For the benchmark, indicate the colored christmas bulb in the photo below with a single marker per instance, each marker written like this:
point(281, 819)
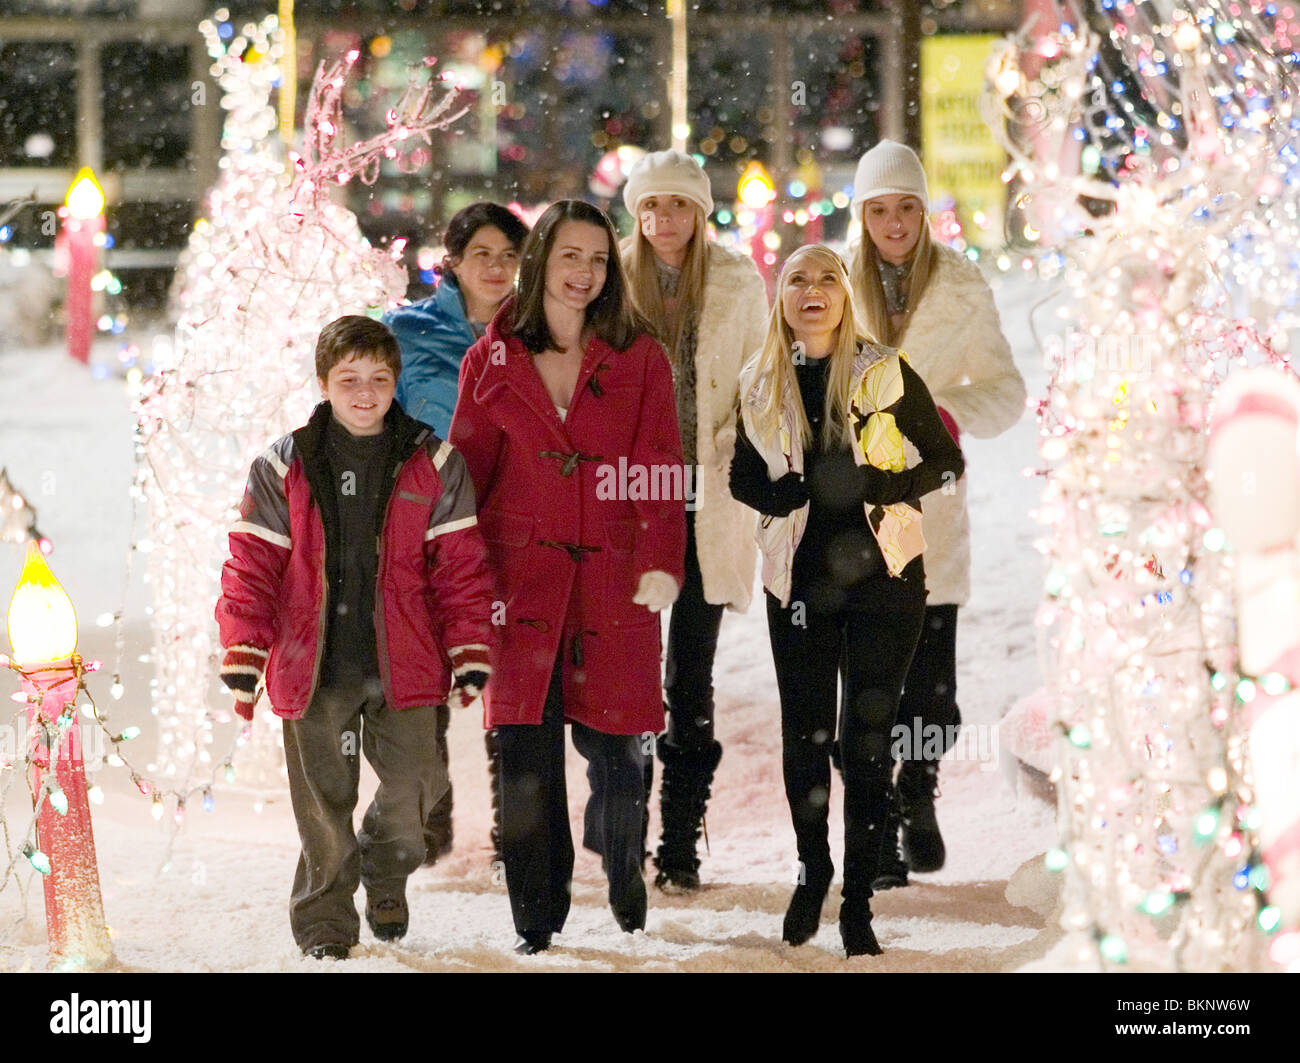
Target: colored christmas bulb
point(1275, 683)
point(1056, 859)
point(36, 858)
point(59, 801)
point(1113, 949)
point(208, 801)
point(1206, 824)
point(1246, 691)
point(157, 809)
point(1259, 878)
point(1269, 918)
point(1157, 903)
point(1080, 736)
point(230, 772)
point(1285, 949)
point(129, 733)
point(96, 795)
point(116, 690)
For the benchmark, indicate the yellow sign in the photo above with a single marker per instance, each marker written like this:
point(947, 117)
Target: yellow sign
point(962, 160)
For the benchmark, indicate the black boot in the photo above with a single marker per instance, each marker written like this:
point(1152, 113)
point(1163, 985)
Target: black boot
point(645, 808)
point(892, 872)
point(855, 929)
point(687, 780)
point(494, 783)
point(437, 824)
point(804, 914)
point(918, 786)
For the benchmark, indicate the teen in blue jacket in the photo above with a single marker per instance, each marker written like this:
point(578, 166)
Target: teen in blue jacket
point(477, 273)
point(476, 276)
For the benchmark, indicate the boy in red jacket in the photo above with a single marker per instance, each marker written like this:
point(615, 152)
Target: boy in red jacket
point(357, 589)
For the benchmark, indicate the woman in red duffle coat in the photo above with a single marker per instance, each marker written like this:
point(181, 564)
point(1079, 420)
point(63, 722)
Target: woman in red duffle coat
point(567, 421)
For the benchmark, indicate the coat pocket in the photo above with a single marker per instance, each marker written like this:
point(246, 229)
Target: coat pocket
point(621, 576)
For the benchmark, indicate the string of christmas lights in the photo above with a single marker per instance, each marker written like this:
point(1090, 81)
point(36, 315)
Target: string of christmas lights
point(1155, 157)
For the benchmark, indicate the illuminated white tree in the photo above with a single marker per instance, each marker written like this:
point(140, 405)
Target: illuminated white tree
point(1176, 126)
point(273, 261)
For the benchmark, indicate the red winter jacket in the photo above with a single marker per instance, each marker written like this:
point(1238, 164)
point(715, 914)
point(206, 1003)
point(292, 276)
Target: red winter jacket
point(433, 593)
point(573, 512)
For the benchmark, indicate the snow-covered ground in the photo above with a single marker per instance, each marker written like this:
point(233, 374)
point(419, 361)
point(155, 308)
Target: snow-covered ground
point(221, 903)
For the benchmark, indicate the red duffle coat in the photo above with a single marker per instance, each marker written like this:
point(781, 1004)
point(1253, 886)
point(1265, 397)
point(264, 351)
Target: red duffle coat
point(573, 512)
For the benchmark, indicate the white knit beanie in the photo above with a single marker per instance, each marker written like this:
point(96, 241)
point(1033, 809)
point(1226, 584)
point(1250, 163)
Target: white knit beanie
point(890, 168)
point(667, 173)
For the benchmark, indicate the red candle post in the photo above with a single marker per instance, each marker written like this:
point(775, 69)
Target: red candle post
point(83, 226)
point(43, 633)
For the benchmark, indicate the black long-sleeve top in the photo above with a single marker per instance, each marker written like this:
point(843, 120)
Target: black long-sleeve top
point(838, 563)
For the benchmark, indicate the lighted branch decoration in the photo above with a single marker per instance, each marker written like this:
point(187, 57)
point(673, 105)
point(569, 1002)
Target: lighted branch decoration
point(273, 261)
point(1157, 158)
point(17, 517)
point(425, 107)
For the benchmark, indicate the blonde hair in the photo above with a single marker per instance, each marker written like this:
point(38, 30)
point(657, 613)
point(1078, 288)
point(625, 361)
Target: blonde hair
point(873, 310)
point(643, 285)
point(776, 360)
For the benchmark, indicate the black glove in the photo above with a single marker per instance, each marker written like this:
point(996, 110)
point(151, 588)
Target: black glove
point(787, 494)
point(877, 486)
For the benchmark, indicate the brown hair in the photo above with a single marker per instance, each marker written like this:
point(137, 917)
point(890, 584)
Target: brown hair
point(870, 292)
point(610, 315)
point(355, 336)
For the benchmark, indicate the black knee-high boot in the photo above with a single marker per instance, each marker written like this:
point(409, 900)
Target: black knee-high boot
point(683, 798)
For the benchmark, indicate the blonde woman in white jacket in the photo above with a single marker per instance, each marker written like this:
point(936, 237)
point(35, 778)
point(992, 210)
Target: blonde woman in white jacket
point(932, 301)
point(708, 307)
point(822, 454)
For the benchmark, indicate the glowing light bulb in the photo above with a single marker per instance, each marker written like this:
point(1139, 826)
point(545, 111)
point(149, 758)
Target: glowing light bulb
point(1206, 825)
point(42, 622)
point(1113, 949)
point(58, 801)
point(36, 858)
point(1056, 859)
point(85, 196)
point(156, 810)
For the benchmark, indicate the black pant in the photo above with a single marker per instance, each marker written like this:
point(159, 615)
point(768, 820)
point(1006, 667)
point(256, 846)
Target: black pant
point(536, 844)
point(874, 646)
point(930, 691)
point(692, 644)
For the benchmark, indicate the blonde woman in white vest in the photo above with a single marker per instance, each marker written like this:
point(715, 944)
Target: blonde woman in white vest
point(826, 416)
point(933, 302)
point(708, 307)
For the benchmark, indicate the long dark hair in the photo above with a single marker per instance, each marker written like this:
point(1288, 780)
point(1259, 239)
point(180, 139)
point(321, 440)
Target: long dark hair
point(466, 222)
point(610, 315)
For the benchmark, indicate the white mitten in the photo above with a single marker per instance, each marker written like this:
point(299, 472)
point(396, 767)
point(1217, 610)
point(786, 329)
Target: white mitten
point(656, 591)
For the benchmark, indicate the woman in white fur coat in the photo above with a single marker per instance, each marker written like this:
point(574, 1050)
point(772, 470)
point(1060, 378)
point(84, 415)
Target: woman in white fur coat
point(934, 303)
point(708, 307)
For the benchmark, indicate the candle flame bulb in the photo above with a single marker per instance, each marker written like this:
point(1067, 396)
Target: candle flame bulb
point(85, 198)
point(42, 622)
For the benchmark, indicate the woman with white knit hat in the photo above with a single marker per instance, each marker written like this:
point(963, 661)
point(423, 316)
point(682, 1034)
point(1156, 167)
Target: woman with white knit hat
point(708, 307)
point(934, 303)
